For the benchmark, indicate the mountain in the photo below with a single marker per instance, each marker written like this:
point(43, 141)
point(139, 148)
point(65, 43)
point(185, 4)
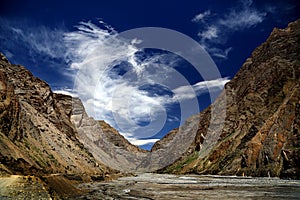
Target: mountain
point(104, 142)
point(259, 135)
point(38, 139)
point(251, 129)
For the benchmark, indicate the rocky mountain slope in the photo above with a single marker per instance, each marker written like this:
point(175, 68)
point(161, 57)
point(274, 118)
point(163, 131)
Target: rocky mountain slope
point(261, 132)
point(109, 147)
point(36, 134)
point(104, 142)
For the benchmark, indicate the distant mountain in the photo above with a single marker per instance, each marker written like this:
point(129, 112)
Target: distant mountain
point(261, 132)
point(105, 142)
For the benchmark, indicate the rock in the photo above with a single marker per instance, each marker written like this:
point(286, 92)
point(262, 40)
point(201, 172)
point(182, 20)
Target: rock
point(36, 134)
point(260, 135)
point(105, 143)
point(116, 139)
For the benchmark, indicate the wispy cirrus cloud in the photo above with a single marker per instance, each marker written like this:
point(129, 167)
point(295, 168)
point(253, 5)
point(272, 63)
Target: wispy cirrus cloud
point(38, 47)
point(116, 81)
point(210, 33)
point(247, 18)
point(123, 85)
point(38, 40)
point(140, 142)
point(199, 88)
point(201, 16)
point(216, 29)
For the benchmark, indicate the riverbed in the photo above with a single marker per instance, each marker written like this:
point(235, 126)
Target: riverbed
point(165, 186)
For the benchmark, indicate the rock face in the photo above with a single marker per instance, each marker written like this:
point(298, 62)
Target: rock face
point(109, 147)
point(116, 139)
point(36, 134)
point(260, 135)
point(104, 142)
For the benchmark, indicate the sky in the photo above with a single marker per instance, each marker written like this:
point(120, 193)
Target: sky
point(80, 48)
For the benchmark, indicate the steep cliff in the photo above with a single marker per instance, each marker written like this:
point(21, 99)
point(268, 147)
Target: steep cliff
point(260, 135)
point(36, 134)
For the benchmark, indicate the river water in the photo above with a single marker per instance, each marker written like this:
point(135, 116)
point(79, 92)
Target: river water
point(165, 186)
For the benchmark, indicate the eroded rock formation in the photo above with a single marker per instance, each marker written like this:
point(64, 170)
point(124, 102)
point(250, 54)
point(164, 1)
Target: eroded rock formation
point(36, 134)
point(260, 135)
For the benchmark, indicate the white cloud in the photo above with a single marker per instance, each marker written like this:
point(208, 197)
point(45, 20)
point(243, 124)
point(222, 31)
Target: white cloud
point(35, 46)
point(217, 83)
point(238, 20)
point(218, 28)
point(117, 98)
point(106, 95)
point(201, 16)
point(210, 33)
point(189, 92)
point(140, 142)
point(8, 54)
point(66, 91)
point(220, 53)
point(46, 41)
point(40, 40)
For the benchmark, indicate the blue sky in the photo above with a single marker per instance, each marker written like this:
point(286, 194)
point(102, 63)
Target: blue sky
point(57, 41)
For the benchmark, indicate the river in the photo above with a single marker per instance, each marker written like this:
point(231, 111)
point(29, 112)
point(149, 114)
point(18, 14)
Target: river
point(166, 186)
